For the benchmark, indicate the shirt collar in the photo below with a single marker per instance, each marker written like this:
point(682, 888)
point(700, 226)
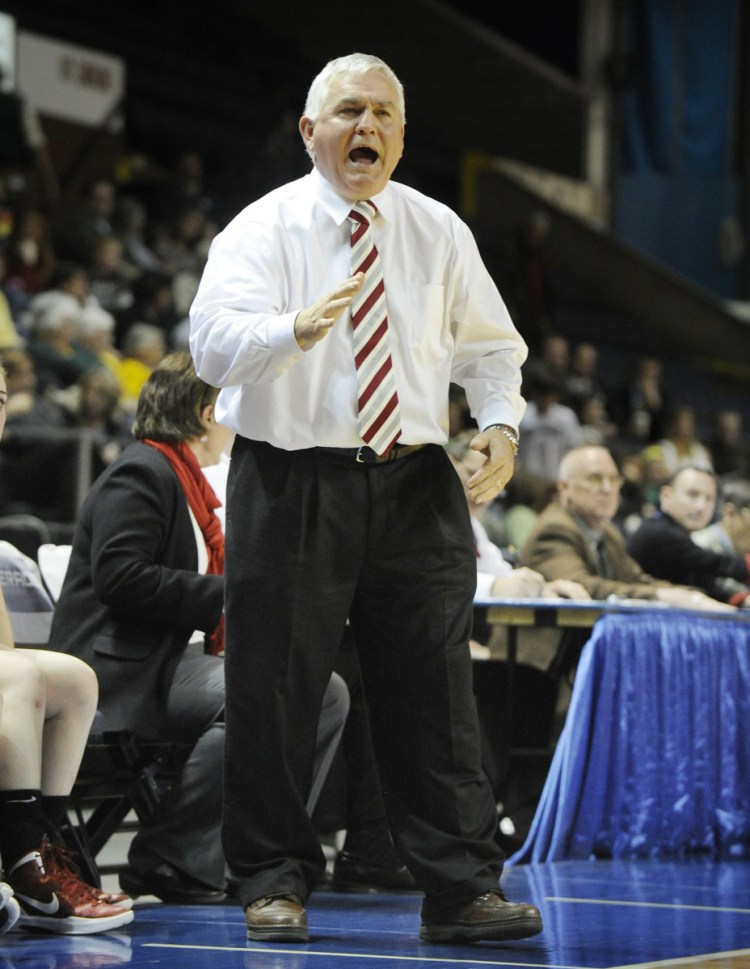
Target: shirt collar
point(592, 535)
point(339, 208)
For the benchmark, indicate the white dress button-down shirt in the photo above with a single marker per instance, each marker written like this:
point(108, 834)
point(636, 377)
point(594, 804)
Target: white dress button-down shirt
point(288, 249)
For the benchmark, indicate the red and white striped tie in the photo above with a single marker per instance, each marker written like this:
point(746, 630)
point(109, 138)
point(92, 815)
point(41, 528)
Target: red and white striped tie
point(379, 415)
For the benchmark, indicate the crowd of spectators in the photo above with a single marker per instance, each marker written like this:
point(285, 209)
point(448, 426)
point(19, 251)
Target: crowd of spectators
point(94, 291)
point(630, 410)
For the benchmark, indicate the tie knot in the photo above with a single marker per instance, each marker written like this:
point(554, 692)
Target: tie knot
point(363, 211)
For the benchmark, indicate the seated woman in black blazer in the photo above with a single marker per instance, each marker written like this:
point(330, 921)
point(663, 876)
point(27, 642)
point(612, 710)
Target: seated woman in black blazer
point(142, 603)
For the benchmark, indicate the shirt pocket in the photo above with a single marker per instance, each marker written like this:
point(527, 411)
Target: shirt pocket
point(427, 328)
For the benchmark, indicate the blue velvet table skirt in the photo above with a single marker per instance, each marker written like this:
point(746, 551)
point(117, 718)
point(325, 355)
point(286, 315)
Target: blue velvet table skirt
point(654, 758)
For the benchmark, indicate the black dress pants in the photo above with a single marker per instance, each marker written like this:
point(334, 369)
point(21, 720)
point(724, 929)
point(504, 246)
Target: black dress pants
point(314, 538)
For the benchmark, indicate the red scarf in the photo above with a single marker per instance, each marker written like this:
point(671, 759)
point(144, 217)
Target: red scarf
point(202, 500)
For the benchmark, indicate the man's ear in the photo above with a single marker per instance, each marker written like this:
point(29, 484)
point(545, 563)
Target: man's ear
point(306, 127)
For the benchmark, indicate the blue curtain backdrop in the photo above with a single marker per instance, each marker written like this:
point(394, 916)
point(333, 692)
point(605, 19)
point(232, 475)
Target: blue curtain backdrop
point(678, 110)
point(676, 188)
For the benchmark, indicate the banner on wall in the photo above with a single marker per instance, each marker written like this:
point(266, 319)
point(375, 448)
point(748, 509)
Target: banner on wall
point(69, 82)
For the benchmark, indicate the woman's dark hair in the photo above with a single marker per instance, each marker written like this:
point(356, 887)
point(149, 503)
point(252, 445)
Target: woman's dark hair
point(170, 402)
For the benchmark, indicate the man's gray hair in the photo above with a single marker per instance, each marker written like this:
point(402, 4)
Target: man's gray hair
point(351, 64)
point(736, 493)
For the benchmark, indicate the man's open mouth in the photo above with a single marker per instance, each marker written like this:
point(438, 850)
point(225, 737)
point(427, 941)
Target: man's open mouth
point(368, 155)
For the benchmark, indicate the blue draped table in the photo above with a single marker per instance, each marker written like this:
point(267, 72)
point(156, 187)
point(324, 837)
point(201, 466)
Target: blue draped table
point(654, 757)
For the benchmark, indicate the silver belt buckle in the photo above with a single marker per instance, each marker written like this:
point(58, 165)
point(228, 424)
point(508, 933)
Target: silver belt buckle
point(360, 455)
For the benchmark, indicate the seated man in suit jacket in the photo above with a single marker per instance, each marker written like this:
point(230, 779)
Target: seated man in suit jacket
point(143, 590)
point(574, 537)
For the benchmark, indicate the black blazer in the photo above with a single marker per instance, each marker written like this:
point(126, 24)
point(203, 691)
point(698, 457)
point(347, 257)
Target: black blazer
point(132, 595)
point(664, 547)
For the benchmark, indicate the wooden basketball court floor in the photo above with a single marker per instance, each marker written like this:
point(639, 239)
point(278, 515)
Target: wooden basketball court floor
point(597, 915)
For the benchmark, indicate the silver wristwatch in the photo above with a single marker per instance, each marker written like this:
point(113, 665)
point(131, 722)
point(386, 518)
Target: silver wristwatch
point(509, 432)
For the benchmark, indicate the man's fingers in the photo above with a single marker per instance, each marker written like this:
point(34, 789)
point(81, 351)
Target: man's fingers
point(488, 482)
point(312, 324)
point(335, 307)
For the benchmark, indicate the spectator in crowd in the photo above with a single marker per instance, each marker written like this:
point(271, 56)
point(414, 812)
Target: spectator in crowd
point(633, 506)
point(36, 461)
point(153, 303)
point(53, 318)
point(77, 229)
point(582, 382)
point(596, 427)
point(25, 406)
point(730, 451)
point(143, 348)
point(131, 227)
point(663, 545)
point(680, 445)
point(72, 279)
point(549, 429)
point(142, 603)
point(95, 330)
point(9, 336)
point(575, 538)
point(639, 407)
point(191, 242)
point(552, 361)
point(525, 498)
point(93, 404)
point(111, 278)
point(184, 187)
point(654, 474)
point(30, 257)
point(730, 535)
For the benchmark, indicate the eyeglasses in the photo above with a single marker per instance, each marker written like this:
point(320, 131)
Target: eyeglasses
point(594, 481)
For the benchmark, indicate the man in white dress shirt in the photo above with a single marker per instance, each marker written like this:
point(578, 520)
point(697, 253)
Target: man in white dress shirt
point(322, 527)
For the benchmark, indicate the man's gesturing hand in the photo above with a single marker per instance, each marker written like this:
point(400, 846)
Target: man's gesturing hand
point(487, 483)
point(313, 323)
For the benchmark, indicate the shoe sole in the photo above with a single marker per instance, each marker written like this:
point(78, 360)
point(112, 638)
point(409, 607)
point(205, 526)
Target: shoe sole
point(280, 934)
point(74, 925)
point(10, 913)
point(494, 932)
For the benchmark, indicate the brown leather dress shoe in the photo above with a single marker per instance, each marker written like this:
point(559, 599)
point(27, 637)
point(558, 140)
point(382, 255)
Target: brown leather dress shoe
point(277, 918)
point(489, 917)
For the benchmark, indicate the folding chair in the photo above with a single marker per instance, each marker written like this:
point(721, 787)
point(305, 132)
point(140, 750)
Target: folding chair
point(25, 532)
point(119, 773)
point(30, 607)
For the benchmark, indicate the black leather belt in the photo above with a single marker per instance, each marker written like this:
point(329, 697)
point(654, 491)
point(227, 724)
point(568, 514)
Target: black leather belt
point(366, 455)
